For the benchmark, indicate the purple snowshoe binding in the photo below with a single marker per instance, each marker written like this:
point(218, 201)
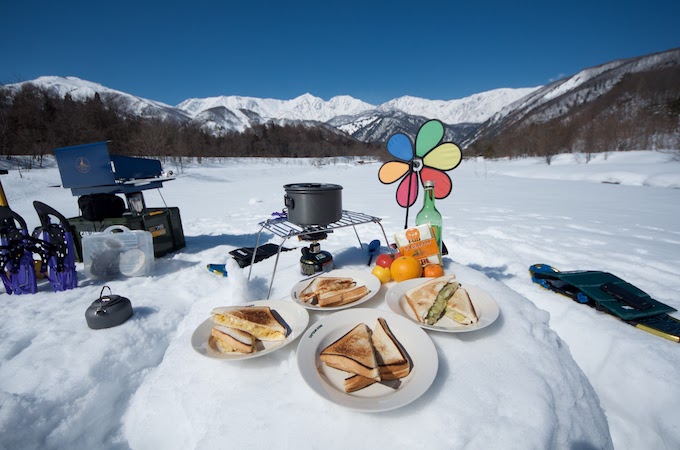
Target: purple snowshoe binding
point(58, 250)
point(17, 269)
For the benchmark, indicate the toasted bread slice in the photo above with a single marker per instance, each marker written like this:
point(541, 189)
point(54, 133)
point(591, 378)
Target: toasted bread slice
point(343, 296)
point(353, 353)
point(256, 320)
point(460, 308)
point(231, 340)
point(393, 361)
point(321, 285)
point(357, 382)
point(421, 298)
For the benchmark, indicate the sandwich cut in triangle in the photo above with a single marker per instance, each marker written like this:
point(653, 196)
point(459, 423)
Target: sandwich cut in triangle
point(231, 340)
point(256, 320)
point(393, 361)
point(353, 353)
point(342, 296)
point(460, 309)
point(422, 298)
point(322, 285)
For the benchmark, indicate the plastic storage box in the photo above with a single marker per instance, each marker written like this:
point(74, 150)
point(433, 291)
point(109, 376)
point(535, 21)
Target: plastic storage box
point(164, 224)
point(118, 252)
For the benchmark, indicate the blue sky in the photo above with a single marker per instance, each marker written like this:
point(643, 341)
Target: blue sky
point(375, 51)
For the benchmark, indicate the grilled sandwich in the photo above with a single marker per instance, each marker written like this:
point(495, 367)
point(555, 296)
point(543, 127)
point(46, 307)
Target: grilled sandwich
point(256, 320)
point(322, 285)
point(353, 353)
point(460, 309)
point(342, 296)
point(231, 340)
point(393, 361)
point(425, 299)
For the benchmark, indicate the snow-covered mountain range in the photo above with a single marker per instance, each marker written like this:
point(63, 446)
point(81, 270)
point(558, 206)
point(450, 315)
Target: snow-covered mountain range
point(223, 114)
point(479, 117)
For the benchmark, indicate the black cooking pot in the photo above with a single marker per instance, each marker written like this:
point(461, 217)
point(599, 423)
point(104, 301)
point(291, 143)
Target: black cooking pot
point(313, 203)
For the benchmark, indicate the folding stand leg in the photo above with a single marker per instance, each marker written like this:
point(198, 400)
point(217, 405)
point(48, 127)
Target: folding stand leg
point(252, 261)
point(361, 245)
point(385, 236)
point(381, 227)
point(276, 263)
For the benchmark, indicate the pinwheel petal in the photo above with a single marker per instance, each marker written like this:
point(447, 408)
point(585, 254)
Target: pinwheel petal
point(446, 156)
point(399, 146)
point(406, 195)
point(429, 135)
point(391, 171)
point(442, 182)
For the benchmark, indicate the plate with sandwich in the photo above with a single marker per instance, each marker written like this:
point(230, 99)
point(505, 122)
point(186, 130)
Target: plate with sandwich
point(443, 304)
point(367, 359)
point(335, 290)
point(249, 331)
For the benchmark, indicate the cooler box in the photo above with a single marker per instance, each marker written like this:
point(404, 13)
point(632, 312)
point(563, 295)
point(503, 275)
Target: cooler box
point(118, 252)
point(164, 224)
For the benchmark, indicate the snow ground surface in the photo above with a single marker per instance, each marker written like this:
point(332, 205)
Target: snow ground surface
point(548, 373)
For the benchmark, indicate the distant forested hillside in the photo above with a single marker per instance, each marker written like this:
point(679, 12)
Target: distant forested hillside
point(33, 122)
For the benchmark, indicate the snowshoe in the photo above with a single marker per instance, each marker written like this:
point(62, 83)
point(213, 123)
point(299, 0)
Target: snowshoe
point(609, 293)
point(17, 268)
point(58, 250)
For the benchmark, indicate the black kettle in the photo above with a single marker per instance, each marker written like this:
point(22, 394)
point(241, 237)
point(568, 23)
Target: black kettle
point(108, 311)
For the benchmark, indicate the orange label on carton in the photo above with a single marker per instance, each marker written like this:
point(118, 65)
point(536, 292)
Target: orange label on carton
point(419, 242)
point(421, 250)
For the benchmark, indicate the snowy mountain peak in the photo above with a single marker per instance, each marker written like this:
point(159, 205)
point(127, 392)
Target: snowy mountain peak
point(304, 107)
point(473, 109)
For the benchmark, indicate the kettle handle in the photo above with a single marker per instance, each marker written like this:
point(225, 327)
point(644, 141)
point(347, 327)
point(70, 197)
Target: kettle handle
point(100, 309)
point(288, 201)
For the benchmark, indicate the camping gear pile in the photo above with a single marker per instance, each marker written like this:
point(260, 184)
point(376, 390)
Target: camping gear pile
point(95, 177)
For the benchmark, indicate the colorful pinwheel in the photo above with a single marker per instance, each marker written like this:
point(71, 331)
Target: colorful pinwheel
point(430, 158)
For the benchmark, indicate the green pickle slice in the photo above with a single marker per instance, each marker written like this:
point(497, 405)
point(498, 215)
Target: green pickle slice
point(438, 308)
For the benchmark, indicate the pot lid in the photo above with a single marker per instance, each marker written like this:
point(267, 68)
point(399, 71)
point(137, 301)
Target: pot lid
point(105, 301)
point(315, 187)
point(108, 301)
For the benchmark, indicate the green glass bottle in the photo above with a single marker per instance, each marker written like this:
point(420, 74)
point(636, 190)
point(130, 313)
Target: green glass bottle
point(429, 213)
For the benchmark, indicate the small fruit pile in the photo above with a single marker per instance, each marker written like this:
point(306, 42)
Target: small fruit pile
point(399, 268)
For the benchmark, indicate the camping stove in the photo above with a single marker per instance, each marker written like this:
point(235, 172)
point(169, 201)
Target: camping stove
point(315, 260)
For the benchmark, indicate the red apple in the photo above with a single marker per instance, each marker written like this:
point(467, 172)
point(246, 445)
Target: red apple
point(385, 259)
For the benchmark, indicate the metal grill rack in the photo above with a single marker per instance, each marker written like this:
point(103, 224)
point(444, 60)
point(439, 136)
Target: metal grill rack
point(281, 227)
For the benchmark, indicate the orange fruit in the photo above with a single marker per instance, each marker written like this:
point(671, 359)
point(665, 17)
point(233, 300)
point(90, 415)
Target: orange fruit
point(405, 268)
point(433, 271)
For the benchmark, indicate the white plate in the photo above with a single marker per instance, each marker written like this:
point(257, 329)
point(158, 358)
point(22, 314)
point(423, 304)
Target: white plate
point(328, 382)
point(485, 306)
point(366, 278)
point(295, 317)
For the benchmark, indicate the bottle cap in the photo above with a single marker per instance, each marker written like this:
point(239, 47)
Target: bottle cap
point(428, 183)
